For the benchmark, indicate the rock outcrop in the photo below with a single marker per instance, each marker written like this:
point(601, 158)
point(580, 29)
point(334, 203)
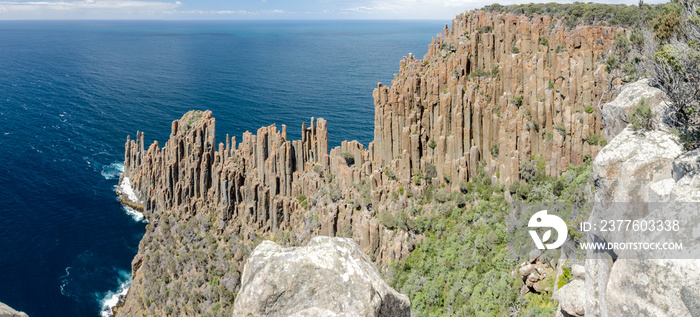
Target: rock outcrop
point(327, 277)
point(7, 311)
point(495, 89)
point(492, 91)
point(616, 113)
point(639, 168)
point(572, 296)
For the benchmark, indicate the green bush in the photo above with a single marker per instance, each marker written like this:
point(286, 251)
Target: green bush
point(514, 49)
point(301, 198)
point(494, 150)
point(565, 277)
point(349, 158)
point(517, 101)
point(595, 139)
point(579, 13)
point(642, 118)
point(430, 171)
point(388, 220)
point(560, 128)
point(589, 109)
point(389, 173)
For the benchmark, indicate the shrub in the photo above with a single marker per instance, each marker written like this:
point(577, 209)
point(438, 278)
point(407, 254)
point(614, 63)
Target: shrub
point(517, 101)
point(388, 220)
point(565, 277)
point(595, 139)
point(560, 49)
point(303, 201)
point(543, 41)
point(389, 173)
point(349, 158)
point(667, 25)
point(514, 49)
point(551, 84)
point(676, 71)
point(430, 171)
point(589, 109)
point(579, 13)
point(432, 144)
point(642, 117)
point(560, 128)
point(494, 150)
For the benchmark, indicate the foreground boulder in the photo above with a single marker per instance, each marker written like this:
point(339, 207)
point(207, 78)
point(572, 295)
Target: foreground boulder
point(7, 311)
point(572, 296)
point(327, 277)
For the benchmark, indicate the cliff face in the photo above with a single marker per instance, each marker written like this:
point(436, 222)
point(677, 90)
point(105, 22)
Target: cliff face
point(493, 89)
point(497, 89)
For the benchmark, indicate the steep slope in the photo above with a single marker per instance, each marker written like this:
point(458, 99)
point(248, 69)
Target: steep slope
point(498, 89)
point(493, 91)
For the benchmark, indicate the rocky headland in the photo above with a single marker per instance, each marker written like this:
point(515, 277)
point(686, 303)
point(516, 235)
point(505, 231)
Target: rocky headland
point(498, 99)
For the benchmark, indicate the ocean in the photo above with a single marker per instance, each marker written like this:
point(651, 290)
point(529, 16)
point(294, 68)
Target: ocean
point(71, 91)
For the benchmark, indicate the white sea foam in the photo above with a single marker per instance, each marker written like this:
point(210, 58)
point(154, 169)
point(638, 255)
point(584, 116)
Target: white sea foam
point(126, 189)
point(135, 214)
point(112, 299)
point(112, 171)
point(64, 282)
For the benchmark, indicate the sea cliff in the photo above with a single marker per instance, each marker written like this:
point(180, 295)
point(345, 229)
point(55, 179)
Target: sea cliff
point(494, 91)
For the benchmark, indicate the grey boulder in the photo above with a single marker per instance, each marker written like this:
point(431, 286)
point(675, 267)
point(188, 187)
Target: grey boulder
point(327, 277)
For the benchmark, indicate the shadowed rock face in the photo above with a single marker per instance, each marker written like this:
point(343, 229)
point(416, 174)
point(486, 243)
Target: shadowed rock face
point(327, 277)
point(7, 311)
point(209, 203)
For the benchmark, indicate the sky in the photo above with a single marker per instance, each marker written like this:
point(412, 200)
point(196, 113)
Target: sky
point(248, 9)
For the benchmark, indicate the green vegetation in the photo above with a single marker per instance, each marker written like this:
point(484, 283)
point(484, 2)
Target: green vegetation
point(494, 150)
point(462, 267)
point(432, 144)
point(349, 158)
point(303, 201)
point(478, 73)
point(579, 13)
point(517, 101)
point(192, 119)
point(676, 68)
point(589, 109)
point(565, 277)
point(485, 29)
point(560, 128)
point(642, 118)
point(595, 139)
point(543, 41)
point(514, 49)
point(389, 173)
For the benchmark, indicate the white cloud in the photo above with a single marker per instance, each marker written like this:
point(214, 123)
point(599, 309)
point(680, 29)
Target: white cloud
point(258, 13)
point(87, 9)
point(440, 9)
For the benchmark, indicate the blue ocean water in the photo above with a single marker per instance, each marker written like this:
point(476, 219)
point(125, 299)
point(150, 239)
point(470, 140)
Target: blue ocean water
point(70, 92)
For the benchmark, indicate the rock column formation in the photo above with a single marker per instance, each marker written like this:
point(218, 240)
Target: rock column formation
point(495, 89)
